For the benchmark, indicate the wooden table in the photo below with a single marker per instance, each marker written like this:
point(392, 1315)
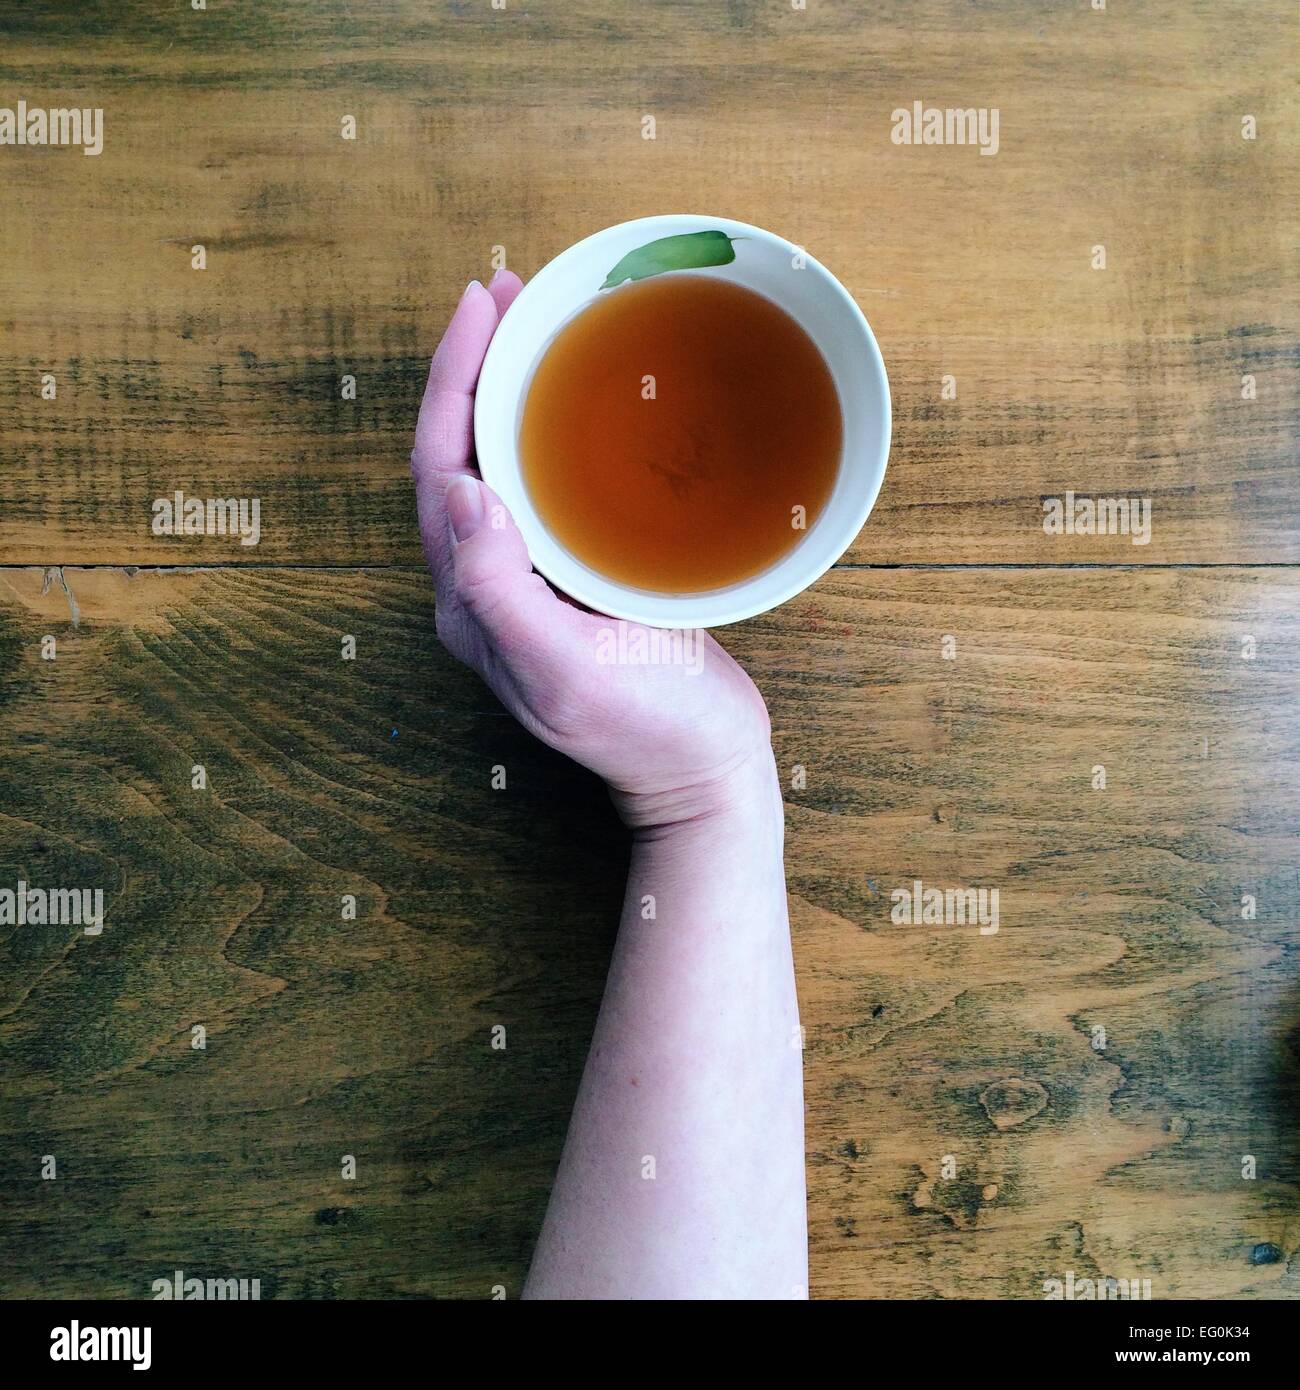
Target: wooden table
point(1083, 1090)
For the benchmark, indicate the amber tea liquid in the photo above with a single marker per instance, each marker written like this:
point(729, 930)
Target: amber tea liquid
point(672, 430)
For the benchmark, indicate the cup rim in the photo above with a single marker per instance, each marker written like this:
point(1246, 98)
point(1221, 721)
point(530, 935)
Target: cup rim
point(748, 597)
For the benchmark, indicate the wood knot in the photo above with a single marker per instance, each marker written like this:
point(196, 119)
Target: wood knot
point(1012, 1102)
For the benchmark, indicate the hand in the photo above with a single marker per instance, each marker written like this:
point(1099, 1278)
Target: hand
point(672, 742)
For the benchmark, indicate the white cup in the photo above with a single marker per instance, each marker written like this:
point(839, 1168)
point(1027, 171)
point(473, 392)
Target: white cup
point(763, 262)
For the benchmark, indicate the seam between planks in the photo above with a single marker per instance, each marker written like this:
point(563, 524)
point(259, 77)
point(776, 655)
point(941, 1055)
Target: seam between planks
point(254, 567)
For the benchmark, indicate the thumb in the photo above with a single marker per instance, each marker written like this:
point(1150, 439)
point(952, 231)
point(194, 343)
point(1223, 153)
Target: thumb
point(493, 576)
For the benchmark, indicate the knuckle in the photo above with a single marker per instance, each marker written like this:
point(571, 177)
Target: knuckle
point(479, 582)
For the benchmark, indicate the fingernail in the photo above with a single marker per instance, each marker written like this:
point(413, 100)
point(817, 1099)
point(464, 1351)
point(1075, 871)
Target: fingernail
point(496, 275)
point(464, 507)
point(471, 285)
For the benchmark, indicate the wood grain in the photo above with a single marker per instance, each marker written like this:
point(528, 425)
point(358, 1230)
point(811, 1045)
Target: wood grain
point(1120, 909)
point(521, 129)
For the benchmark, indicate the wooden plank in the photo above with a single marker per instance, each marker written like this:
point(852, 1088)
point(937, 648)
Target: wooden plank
point(522, 129)
point(1120, 909)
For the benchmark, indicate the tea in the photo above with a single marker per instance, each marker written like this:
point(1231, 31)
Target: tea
point(681, 434)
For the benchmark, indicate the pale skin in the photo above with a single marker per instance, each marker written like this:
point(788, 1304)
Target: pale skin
point(682, 1175)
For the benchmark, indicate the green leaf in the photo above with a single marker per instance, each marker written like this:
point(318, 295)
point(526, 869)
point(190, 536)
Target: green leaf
point(689, 251)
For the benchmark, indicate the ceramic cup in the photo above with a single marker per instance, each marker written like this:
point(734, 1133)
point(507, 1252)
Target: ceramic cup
point(765, 263)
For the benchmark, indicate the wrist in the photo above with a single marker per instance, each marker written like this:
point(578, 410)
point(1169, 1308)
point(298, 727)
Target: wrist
point(742, 795)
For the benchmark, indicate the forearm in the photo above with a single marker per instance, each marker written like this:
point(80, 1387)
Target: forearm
point(683, 1172)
